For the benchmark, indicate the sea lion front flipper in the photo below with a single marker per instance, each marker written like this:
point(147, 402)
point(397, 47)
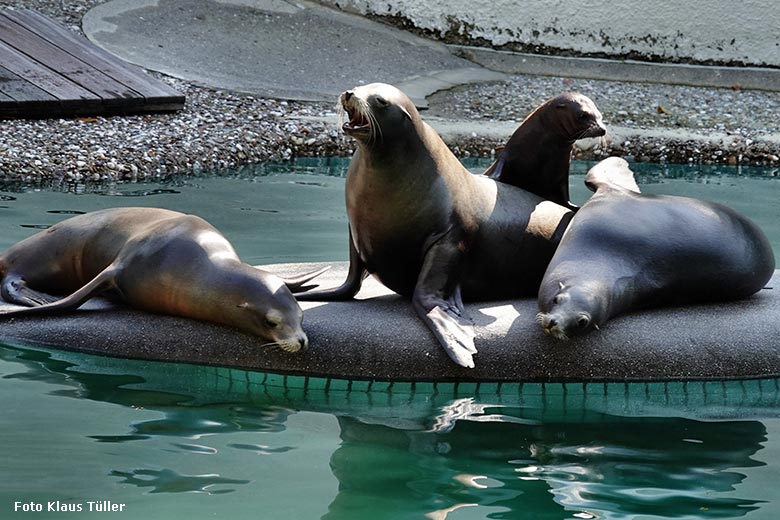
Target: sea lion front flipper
point(14, 289)
point(346, 291)
point(438, 303)
point(104, 281)
point(611, 173)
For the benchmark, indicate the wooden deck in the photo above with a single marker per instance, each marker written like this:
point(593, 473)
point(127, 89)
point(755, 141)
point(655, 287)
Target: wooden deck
point(48, 71)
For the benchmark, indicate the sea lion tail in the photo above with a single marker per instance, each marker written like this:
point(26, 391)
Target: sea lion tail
point(104, 281)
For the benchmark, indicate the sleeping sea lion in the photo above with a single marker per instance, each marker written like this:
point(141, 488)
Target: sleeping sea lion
point(538, 155)
point(624, 250)
point(429, 229)
point(155, 260)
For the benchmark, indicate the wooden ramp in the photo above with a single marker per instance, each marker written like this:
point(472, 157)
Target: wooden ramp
point(48, 71)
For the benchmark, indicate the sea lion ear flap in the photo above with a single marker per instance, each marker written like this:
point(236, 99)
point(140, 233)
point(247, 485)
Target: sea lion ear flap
point(296, 283)
point(408, 115)
point(611, 173)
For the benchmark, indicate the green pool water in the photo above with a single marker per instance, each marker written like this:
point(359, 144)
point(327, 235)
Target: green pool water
point(179, 441)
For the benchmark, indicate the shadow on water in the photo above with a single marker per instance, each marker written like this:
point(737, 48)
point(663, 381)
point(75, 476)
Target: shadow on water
point(543, 451)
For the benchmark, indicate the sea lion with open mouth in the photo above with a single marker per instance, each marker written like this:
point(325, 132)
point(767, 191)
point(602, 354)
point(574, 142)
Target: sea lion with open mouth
point(429, 229)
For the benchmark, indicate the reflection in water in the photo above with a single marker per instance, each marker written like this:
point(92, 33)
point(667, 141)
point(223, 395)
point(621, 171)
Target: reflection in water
point(167, 481)
point(408, 454)
point(609, 467)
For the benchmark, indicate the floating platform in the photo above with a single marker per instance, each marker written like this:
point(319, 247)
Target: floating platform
point(48, 71)
point(378, 337)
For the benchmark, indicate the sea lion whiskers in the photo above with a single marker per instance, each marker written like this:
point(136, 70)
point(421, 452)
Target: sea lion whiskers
point(365, 111)
point(550, 326)
point(286, 346)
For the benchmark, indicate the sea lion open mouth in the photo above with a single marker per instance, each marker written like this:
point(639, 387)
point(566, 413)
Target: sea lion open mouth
point(358, 122)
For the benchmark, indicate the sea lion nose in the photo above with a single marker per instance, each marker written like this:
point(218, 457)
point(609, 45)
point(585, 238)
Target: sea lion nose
point(303, 342)
point(551, 323)
point(348, 94)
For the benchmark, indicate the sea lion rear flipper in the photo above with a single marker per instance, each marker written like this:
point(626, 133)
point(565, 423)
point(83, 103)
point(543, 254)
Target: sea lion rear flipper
point(14, 289)
point(445, 315)
point(346, 291)
point(611, 173)
point(102, 282)
point(296, 283)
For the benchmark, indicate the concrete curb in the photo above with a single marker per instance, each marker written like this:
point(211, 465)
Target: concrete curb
point(753, 78)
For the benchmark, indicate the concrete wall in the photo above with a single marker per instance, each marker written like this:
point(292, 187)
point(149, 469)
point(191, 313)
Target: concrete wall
point(703, 31)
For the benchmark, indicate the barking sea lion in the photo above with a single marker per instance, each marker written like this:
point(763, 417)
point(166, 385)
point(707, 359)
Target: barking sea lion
point(429, 229)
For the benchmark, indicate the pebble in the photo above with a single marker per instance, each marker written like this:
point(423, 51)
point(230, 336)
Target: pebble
point(220, 130)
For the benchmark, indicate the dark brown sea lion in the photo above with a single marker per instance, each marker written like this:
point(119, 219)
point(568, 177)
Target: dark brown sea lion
point(538, 155)
point(156, 260)
point(624, 250)
point(430, 230)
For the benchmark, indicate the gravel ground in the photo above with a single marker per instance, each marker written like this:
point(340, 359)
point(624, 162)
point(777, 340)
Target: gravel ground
point(216, 130)
point(667, 122)
point(219, 129)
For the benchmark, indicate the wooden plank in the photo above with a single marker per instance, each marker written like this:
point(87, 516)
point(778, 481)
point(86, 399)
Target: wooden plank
point(17, 89)
point(133, 77)
point(48, 71)
point(51, 56)
point(20, 98)
point(42, 77)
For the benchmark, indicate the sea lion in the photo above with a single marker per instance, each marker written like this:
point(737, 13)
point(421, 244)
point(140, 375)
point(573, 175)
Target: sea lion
point(429, 229)
point(624, 250)
point(155, 260)
point(538, 155)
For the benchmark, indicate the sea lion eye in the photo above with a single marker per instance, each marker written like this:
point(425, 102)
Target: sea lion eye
point(382, 102)
point(560, 298)
point(271, 324)
point(583, 321)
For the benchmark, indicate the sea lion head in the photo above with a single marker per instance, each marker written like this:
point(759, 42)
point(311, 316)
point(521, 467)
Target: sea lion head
point(569, 310)
point(576, 116)
point(377, 113)
point(261, 304)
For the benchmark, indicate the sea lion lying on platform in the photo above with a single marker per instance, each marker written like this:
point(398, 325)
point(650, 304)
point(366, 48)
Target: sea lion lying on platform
point(429, 229)
point(625, 250)
point(538, 155)
point(156, 260)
